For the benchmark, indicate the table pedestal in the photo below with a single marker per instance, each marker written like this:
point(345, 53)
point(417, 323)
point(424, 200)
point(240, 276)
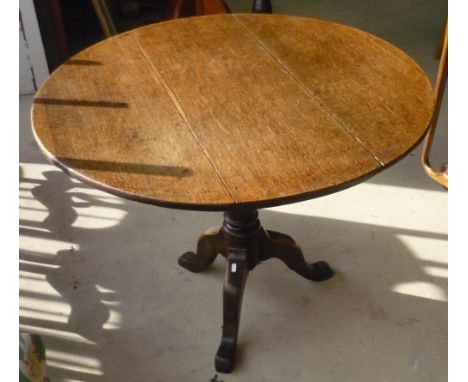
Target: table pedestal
point(244, 243)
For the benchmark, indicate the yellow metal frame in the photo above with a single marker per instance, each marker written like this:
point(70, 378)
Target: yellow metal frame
point(439, 175)
point(104, 17)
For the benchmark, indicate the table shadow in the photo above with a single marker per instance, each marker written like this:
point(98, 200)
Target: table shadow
point(95, 315)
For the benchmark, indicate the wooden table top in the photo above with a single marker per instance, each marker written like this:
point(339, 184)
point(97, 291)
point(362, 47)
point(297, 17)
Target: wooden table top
point(226, 111)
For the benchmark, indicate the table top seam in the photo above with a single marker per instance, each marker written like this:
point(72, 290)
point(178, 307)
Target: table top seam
point(307, 91)
point(180, 110)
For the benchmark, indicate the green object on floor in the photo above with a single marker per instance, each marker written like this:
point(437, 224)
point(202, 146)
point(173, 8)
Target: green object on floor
point(32, 359)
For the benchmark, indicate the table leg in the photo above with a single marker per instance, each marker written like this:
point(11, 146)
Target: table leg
point(234, 283)
point(244, 243)
point(283, 247)
point(262, 6)
point(210, 244)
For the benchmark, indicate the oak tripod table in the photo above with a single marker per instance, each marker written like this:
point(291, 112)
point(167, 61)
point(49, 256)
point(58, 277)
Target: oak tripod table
point(233, 113)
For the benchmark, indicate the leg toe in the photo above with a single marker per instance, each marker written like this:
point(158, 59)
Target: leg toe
point(321, 271)
point(225, 357)
point(189, 261)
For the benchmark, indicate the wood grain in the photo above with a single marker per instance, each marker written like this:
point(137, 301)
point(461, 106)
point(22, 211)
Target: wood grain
point(227, 111)
point(264, 134)
point(372, 88)
point(113, 124)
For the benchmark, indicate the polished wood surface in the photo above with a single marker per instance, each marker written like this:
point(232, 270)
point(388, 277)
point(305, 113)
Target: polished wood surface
point(227, 111)
point(245, 244)
point(376, 93)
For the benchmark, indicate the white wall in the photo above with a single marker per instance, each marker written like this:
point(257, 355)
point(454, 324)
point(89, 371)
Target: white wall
point(32, 61)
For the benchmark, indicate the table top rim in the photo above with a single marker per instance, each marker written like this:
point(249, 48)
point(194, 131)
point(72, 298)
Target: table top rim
point(270, 202)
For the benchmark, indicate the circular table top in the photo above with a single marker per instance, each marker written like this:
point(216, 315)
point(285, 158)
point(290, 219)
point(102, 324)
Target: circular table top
point(227, 111)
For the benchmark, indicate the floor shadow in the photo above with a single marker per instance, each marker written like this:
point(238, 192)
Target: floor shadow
point(100, 280)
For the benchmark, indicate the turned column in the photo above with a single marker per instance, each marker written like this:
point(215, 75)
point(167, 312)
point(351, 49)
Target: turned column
point(244, 243)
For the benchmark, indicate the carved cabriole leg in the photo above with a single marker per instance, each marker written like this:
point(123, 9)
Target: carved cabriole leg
point(262, 6)
point(234, 283)
point(208, 247)
point(283, 247)
point(245, 243)
point(241, 230)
